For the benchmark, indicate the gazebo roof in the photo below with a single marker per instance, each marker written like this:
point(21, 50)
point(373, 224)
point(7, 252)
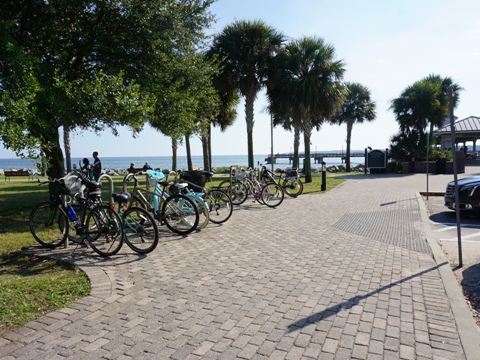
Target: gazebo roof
point(470, 124)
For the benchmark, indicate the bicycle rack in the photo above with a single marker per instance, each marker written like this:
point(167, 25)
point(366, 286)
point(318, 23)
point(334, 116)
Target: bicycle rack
point(110, 182)
point(233, 175)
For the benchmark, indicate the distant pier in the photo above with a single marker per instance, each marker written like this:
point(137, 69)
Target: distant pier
point(317, 157)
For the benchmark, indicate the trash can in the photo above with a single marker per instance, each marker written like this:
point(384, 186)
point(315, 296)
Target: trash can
point(441, 166)
point(195, 178)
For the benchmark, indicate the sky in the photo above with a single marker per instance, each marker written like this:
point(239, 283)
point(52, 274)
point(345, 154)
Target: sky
point(385, 45)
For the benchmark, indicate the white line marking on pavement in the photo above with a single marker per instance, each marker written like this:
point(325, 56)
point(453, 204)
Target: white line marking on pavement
point(471, 236)
point(466, 241)
point(473, 226)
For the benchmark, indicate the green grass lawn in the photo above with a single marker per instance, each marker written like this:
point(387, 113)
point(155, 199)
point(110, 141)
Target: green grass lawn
point(31, 286)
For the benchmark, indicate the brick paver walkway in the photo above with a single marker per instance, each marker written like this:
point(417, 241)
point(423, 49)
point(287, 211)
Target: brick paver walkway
point(343, 275)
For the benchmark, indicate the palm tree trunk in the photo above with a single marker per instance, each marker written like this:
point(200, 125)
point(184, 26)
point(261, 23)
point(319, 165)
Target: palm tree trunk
point(349, 138)
point(296, 147)
point(174, 154)
point(66, 144)
point(206, 154)
point(189, 153)
point(307, 168)
point(249, 100)
point(209, 144)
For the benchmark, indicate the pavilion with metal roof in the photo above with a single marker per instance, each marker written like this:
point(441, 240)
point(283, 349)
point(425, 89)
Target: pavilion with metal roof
point(466, 130)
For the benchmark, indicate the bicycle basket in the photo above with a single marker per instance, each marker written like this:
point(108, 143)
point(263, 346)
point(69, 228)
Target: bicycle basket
point(292, 174)
point(57, 189)
point(154, 177)
point(240, 174)
point(73, 183)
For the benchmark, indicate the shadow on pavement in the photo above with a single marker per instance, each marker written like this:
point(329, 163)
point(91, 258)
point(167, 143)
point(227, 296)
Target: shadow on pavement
point(348, 304)
point(471, 288)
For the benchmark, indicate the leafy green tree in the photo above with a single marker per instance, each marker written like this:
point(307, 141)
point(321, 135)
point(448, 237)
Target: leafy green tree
point(357, 108)
point(89, 65)
point(307, 88)
point(189, 102)
point(245, 49)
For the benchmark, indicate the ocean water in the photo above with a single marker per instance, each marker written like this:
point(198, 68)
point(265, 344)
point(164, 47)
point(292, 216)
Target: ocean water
point(165, 162)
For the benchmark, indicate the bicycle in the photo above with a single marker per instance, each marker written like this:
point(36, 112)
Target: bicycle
point(140, 229)
point(177, 212)
point(266, 192)
point(219, 203)
point(98, 224)
point(288, 180)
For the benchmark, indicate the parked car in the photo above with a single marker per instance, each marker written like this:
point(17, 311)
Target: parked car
point(468, 194)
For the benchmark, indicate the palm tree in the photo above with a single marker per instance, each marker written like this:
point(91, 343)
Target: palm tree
point(280, 104)
point(357, 108)
point(245, 49)
point(226, 116)
point(308, 82)
point(421, 105)
point(442, 96)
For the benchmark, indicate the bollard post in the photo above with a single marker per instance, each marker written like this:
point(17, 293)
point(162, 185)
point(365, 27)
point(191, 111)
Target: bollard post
point(324, 176)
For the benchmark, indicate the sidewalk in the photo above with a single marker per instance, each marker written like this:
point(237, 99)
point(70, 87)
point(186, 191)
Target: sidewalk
point(350, 274)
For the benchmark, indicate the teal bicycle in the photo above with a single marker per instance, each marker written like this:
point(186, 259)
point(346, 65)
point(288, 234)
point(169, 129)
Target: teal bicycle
point(177, 212)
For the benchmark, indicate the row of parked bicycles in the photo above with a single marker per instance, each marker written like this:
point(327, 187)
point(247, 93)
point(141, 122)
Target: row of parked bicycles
point(178, 200)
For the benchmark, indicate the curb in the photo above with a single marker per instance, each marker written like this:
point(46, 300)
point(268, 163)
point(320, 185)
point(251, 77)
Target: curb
point(466, 326)
point(432, 193)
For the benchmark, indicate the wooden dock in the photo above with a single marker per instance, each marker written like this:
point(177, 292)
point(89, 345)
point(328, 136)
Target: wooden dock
point(317, 157)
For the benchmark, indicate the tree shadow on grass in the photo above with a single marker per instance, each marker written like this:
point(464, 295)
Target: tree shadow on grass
point(348, 304)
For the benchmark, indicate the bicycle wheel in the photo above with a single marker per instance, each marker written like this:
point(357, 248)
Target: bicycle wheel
point(203, 212)
point(272, 194)
point(141, 232)
point(292, 187)
point(104, 230)
point(220, 206)
point(180, 214)
point(237, 191)
point(49, 225)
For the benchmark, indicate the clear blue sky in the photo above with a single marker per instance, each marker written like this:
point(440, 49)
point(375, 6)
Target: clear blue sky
point(386, 45)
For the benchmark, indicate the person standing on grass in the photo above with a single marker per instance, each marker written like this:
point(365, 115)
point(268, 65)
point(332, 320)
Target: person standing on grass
point(97, 166)
point(87, 168)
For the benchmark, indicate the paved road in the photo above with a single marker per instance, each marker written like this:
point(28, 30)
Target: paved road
point(355, 273)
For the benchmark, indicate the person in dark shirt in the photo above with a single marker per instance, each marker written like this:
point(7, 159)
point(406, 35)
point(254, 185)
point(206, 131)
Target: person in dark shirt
point(146, 166)
point(97, 166)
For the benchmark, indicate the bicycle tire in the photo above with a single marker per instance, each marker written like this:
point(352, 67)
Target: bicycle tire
point(104, 230)
point(141, 231)
point(272, 194)
point(220, 206)
point(180, 214)
point(203, 212)
point(239, 191)
point(49, 225)
point(224, 185)
point(292, 188)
